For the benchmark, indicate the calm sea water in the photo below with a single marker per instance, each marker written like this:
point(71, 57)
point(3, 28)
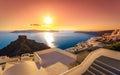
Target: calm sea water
point(62, 40)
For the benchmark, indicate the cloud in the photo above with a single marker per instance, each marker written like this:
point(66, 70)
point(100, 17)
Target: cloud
point(35, 25)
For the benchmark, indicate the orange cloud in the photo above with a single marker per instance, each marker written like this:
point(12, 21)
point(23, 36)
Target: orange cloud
point(35, 25)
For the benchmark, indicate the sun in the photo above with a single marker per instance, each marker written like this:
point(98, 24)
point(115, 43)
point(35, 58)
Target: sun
point(48, 20)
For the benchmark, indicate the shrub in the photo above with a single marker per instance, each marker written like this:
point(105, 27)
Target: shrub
point(115, 46)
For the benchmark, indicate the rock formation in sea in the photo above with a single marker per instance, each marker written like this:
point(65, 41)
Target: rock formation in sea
point(22, 45)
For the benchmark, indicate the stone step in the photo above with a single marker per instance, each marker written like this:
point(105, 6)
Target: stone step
point(108, 67)
point(102, 69)
point(88, 72)
point(105, 66)
point(110, 61)
point(96, 71)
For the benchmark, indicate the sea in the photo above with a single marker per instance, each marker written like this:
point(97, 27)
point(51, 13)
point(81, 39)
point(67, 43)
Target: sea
point(62, 40)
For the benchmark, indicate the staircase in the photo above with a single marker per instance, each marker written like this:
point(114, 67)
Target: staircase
point(104, 66)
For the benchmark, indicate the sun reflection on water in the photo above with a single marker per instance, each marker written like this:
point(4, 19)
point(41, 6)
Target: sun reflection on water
point(49, 37)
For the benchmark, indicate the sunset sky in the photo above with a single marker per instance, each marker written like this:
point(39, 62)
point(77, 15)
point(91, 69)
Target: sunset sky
point(65, 14)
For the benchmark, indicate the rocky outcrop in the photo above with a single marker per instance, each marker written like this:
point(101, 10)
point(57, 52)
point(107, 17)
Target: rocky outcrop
point(22, 45)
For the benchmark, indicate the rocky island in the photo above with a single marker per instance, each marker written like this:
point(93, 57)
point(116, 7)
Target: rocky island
point(33, 31)
point(21, 46)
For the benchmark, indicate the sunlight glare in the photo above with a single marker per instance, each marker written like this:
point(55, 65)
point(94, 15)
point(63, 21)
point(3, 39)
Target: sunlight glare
point(49, 39)
point(48, 20)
